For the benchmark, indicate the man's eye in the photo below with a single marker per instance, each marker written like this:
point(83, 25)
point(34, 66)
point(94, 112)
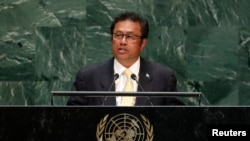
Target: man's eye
point(119, 35)
point(130, 36)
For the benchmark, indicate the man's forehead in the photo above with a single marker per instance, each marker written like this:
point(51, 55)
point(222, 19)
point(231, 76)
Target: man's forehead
point(128, 26)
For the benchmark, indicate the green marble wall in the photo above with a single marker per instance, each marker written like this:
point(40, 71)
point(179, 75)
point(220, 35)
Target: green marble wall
point(44, 42)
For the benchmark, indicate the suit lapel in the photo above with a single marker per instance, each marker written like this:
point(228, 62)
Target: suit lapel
point(145, 79)
point(106, 80)
point(107, 75)
point(145, 75)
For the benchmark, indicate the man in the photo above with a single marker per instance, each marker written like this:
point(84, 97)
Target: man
point(129, 32)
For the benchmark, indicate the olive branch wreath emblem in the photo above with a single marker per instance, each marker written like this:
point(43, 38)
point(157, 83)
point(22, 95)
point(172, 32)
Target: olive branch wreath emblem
point(102, 123)
point(100, 128)
point(149, 128)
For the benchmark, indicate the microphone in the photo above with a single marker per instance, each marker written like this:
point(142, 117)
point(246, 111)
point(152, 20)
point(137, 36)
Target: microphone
point(133, 76)
point(115, 77)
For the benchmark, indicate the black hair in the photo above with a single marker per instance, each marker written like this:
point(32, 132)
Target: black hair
point(133, 17)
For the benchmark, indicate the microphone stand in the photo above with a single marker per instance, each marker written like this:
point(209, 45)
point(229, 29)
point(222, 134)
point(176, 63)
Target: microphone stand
point(116, 76)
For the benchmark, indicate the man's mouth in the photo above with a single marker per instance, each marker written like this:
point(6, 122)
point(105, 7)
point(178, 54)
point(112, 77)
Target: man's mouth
point(122, 50)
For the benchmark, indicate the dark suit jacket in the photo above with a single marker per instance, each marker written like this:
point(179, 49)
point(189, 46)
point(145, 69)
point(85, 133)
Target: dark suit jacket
point(99, 77)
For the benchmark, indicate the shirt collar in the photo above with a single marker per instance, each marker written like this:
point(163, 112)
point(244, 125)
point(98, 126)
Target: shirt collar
point(119, 68)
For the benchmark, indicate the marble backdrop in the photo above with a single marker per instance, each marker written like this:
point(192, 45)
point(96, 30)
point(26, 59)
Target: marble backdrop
point(43, 43)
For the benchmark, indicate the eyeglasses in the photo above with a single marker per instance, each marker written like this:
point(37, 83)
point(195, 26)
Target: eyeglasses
point(128, 37)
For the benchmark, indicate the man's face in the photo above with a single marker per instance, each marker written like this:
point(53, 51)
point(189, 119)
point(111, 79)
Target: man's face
point(127, 43)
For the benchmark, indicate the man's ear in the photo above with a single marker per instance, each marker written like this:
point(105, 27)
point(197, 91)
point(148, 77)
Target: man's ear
point(143, 43)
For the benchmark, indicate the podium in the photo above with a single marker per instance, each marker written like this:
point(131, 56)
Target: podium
point(61, 123)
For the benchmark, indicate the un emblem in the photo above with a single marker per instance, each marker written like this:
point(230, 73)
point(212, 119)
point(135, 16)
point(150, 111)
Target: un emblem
point(124, 127)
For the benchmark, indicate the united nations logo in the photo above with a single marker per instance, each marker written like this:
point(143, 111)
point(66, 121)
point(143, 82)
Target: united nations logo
point(124, 127)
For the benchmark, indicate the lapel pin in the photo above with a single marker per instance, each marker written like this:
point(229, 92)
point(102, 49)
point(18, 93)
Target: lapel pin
point(147, 75)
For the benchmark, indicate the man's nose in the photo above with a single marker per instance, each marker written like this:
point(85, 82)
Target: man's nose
point(124, 39)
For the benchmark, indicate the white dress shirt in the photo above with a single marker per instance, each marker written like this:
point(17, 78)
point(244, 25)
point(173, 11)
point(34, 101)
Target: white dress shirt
point(120, 82)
